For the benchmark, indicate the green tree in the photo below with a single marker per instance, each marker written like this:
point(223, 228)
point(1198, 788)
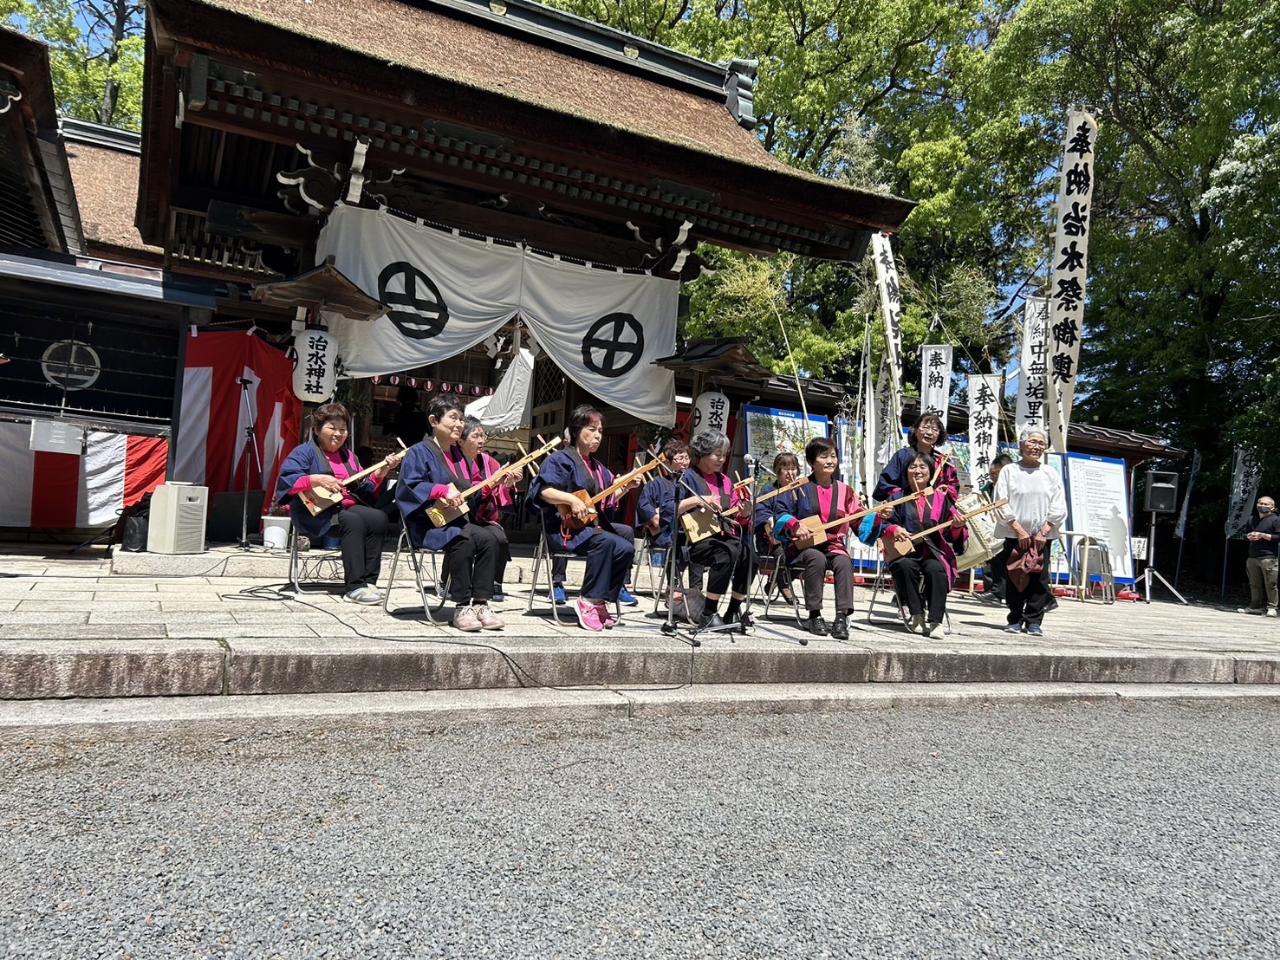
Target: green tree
point(95, 54)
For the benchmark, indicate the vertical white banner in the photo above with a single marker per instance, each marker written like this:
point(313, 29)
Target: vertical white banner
point(868, 444)
point(891, 306)
point(1246, 472)
point(935, 380)
point(984, 424)
point(1033, 380)
point(1069, 264)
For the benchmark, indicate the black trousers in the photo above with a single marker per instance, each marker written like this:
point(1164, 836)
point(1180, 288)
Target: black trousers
point(812, 564)
point(504, 552)
point(993, 576)
point(907, 572)
point(471, 562)
point(361, 530)
point(1029, 604)
point(724, 560)
point(609, 556)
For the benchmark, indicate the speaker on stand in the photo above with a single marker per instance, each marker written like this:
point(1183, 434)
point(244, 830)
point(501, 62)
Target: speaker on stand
point(1161, 497)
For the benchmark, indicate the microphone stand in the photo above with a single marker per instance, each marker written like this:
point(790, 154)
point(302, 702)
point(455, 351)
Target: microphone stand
point(251, 443)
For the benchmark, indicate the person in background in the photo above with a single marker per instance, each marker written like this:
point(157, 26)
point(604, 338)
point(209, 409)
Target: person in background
point(323, 462)
point(609, 548)
point(786, 469)
point(656, 509)
point(1264, 559)
point(435, 473)
point(993, 571)
point(495, 500)
point(924, 438)
point(1029, 522)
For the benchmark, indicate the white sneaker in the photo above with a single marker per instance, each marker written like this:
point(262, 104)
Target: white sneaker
point(362, 594)
point(1252, 610)
point(1270, 612)
point(917, 624)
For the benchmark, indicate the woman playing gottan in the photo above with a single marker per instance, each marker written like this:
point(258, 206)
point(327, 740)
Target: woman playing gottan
point(322, 463)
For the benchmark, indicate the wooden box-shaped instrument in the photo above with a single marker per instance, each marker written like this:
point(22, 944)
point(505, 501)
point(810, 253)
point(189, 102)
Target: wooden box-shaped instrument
point(442, 515)
point(573, 524)
point(893, 549)
point(983, 543)
point(709, 520)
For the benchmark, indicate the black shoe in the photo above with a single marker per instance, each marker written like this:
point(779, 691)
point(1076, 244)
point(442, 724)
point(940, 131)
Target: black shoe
point(840, 629)
point(741, 618)
point(817, 626)
point(710, 621)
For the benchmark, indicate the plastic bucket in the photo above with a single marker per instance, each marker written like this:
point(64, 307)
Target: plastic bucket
point(275, 532)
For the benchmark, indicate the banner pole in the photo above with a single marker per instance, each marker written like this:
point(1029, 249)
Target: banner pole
point(1226, 549)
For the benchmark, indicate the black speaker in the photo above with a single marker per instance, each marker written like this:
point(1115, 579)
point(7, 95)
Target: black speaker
point(1162, 492)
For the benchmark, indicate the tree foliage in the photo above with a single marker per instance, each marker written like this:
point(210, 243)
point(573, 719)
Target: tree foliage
point(95, 54)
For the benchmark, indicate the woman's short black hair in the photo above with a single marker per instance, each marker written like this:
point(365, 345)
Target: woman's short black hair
point(470, 425)
point(816, 448)
point(442, 403)
point(913, 433)
point(924, 458)
point(673, 448)
point(581, 418)
point(1002, 460)
point(327, 412)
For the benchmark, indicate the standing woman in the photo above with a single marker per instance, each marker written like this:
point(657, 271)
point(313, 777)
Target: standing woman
point(934, 556)
point(609, 548)
point(923, 438)
point(471, 547)
point(722, 554)
point(323, 462)
point(495, 499)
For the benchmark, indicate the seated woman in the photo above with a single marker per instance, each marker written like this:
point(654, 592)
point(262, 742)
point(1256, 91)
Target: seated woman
point(495, 499)
point(923, 438)
point(471, 546)
point(656, 509)
point(608, 547)
point(322, 463)
point(825, 497)
point(934, 557)
point(726, 556)
point(786, 469)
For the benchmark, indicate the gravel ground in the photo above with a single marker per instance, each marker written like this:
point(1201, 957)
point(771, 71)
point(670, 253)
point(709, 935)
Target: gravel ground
point(1071, 830)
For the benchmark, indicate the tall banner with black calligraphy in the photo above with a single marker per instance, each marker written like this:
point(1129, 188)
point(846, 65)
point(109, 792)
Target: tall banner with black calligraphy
point(984, 424)
point(891, 305)
point(1070, 265)
point(935, 381)
point(1245, 474)
point(1032, 381)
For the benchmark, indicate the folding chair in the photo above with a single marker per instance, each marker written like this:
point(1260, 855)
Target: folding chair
point(319, 563)
point(437, 585)
point(544, 556)
point(769, 583)
point(649, 559)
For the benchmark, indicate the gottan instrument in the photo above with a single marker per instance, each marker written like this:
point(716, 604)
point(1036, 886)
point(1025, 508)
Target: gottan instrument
point(893, 549)
point(573, 524)
point(708, 520)
point(317, 500)
point(818, 528)
point(982, 545)
point(442, 515)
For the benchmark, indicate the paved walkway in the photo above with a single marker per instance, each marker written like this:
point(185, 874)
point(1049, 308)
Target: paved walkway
point(72, 629)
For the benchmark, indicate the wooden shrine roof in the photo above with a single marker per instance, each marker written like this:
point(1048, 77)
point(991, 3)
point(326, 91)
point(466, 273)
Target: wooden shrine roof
point(106, 181)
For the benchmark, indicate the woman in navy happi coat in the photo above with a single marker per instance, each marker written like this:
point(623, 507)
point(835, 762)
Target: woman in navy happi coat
point(923, 438)
point(470, 545)
point(656, 510)
point(608, 548)
point(324, 461)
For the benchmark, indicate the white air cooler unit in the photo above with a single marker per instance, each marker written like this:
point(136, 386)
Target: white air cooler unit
point(176, 524)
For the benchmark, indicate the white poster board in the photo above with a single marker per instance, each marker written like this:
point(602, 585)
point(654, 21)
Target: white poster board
point(1099, 499)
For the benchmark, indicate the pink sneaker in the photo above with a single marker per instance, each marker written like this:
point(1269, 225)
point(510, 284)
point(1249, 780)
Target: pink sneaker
point(464, 618)
point(606, 616)
point(588, 615)
point(488, 619)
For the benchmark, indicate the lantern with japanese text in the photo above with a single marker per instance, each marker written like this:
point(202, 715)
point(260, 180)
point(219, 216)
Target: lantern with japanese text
point(710, 412)
point(315, 368)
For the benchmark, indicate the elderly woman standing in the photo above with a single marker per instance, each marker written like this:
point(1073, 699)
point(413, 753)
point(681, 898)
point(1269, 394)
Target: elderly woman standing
point(1034, 515)
point(923, 438)
point(323, 462)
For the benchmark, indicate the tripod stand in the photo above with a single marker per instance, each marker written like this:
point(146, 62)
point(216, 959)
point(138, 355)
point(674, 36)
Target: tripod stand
point(1151, 573)
point(251, 444)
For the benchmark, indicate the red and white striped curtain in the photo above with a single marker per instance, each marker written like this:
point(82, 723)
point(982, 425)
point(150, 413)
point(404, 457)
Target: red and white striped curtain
point(63, 490)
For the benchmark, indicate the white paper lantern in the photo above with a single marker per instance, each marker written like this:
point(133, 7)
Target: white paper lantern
point(315, 370)
point(710, 412)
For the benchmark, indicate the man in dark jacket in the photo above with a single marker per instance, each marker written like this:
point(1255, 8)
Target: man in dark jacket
point(1264, 559)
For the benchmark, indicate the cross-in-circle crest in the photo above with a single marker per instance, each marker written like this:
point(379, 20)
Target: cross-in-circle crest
point(613, 345)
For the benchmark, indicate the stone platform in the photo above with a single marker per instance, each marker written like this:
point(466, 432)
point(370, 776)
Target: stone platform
point(73, 628)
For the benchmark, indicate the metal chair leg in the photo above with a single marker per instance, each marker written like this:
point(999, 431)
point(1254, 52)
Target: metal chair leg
point(391, 575)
